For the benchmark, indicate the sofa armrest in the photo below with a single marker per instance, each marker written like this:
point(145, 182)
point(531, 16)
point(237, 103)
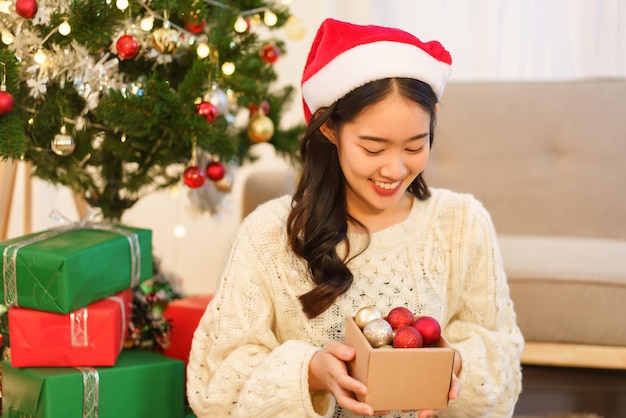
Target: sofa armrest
point(569, 296)
point(574, 355)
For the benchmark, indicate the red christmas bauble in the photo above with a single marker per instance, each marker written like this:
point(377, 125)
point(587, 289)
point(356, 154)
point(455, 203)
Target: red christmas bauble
point(253, 107)
point(127, 47)
point(399, 317)
point(429, 328)
point(194, 25)
point(215, 170)
point(193, 177)
point(270, 53)
point(26, 8)
point(6, 102)
point(208, 110)
point(407, 337)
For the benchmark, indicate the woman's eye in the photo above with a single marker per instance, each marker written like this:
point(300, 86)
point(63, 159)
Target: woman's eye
point(415, 151)
point(372, 152)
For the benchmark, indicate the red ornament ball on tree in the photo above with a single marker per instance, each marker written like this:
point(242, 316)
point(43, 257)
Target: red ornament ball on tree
point(208, 110)
point(215, 170)
point(270, 53)
point(26, 8)
point(193, 177)
point(6, 102)
point(127, 47)
point(254, 108)
point(194, 25)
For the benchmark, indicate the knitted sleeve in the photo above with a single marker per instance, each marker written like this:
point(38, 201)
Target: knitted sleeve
point(237, 367)
point(482, 325)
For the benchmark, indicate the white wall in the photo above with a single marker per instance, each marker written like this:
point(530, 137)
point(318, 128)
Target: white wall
point(488, 39)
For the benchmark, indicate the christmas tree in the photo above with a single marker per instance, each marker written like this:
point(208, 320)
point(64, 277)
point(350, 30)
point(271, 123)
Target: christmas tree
point(115, 99)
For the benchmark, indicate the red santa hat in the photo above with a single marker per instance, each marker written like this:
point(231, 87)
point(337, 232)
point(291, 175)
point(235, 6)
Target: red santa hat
point(345, 56)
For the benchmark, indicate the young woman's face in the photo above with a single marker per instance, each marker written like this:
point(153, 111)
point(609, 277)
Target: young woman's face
point(381, 152)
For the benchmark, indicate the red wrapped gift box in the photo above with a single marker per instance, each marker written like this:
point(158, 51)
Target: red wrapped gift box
point(184, 316)
point(89, 336)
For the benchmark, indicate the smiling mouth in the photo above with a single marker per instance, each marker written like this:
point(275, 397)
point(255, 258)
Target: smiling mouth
point(387, 186)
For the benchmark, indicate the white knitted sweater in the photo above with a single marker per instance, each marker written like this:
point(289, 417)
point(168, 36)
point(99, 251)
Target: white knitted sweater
point(250, 353)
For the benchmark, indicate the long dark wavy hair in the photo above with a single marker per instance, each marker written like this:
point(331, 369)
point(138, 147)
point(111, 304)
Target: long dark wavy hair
point(319, 219)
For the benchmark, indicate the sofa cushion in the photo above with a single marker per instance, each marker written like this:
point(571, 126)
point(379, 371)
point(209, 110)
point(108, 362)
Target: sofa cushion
point(568, 290)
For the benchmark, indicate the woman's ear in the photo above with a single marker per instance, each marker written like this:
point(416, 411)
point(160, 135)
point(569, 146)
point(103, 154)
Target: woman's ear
point(328, 132)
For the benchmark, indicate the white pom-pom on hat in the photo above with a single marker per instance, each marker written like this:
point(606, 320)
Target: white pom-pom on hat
point(345, 56)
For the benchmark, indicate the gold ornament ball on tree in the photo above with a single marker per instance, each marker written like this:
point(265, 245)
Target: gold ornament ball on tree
point(261, 128)
point(165, 39)
point(62, 143)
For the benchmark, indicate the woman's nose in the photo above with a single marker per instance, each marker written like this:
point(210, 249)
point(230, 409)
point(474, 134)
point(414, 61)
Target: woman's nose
point(394, 167)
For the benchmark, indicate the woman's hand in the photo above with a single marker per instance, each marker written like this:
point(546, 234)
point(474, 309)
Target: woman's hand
point(328, 372)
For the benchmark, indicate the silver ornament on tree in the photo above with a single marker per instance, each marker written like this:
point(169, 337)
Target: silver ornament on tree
point(378, 332)
point(63, 144)
point(218, 98)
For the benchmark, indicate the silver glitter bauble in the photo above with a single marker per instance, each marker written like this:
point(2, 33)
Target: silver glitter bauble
point(62, 143)
point(378, 332)
point(366, 314)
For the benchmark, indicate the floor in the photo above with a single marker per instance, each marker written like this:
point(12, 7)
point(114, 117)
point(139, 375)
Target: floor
point(558, 390)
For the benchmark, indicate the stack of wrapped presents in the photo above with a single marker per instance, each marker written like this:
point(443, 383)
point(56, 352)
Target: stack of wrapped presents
point(69, 293)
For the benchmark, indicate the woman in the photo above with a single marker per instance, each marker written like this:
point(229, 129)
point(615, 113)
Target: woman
point(362, 229)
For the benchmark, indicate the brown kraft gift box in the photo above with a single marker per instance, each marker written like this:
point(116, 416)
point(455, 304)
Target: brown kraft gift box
point(400, 378)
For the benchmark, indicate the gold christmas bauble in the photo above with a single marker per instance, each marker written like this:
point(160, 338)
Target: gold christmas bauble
point(261, 128)
point(165, 40)
point(295, 28)
point(62, 143)
point(366, 314)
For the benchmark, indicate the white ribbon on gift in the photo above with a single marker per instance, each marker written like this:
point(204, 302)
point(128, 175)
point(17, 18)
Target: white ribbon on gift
point(92, 220)
point(79, 320)
point(78, 327)
point(124, 318)
point(91, 391)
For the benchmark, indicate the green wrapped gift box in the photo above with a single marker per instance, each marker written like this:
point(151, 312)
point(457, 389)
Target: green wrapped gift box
point(141, 384)
point(61, 271)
